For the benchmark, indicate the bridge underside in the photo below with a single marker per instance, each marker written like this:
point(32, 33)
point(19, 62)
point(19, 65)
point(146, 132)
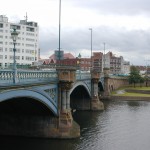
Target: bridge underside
point(100, 88)
point(24, 106)
point(80, 99)
point(26, 117)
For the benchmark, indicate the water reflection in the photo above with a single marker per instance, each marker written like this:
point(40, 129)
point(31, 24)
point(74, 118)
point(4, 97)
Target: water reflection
point(123, 125)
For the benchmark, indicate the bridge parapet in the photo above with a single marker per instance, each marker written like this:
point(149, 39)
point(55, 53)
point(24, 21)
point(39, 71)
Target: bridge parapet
point(25, 76)
point(66, 75)
point(81, 75)
point(95, 75)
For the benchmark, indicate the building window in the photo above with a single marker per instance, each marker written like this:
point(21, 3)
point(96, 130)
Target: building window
point(1, 56)
point(11, 57)
point(1, 25)
point(18, 57)
point(22, 57)
point(18, 50)
point(5, 56)
point(10, 49)
point(5, 64)
point(1, 49)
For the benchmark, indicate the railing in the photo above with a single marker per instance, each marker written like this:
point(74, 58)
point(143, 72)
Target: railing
point(36, 76)
point(81, 75)
point(25, 76)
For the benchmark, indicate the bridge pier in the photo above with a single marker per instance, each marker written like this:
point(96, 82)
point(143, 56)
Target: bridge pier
point(68, 128)
point(96, 104)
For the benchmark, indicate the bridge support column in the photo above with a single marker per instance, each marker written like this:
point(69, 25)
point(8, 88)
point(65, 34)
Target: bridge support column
point(106, 82)
point(68, 128)
point(96, 104)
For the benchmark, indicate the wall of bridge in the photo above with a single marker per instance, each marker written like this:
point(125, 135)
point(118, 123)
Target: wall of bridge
point(112, 84)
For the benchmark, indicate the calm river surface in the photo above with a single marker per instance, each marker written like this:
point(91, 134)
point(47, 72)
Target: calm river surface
point(123, 125)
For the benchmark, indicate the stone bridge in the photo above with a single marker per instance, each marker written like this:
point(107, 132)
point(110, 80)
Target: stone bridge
point(41, 103)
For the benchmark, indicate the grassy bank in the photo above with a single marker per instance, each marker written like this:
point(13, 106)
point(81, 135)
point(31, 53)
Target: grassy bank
point(123, 92)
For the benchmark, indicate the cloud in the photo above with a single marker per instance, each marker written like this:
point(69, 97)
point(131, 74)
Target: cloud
point(128, 7)
point(122, 41)
point(124, 25)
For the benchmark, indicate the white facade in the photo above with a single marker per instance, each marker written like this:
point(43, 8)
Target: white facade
point(117, 65)
point(27, 44)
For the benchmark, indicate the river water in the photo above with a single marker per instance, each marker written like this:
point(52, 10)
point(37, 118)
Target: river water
point(123, 125)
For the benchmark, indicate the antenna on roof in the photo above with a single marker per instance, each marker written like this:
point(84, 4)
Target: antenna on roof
point(26, 17)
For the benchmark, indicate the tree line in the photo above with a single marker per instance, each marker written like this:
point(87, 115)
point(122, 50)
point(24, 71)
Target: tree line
point(135, 77)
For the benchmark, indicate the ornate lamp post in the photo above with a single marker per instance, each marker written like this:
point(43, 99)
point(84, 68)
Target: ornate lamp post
point(14, 36)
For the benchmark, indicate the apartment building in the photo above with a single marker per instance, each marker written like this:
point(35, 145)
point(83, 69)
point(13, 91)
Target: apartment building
point(27, 44)
point(117, 65)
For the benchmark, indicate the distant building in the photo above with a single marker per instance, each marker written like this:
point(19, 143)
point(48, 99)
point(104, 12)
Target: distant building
point(142, 69)
point(117, 65)
point(97, 61)
point(66, 56)
point(27, 47)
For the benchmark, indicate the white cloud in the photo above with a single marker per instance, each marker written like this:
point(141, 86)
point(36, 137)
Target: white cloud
point(123, 25)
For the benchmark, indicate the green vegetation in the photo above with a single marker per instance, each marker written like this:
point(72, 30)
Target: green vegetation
point(122, 92)
point(135, 76)
point(132, 94)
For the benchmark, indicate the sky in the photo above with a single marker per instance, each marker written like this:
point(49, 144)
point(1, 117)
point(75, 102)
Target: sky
point(123, 25)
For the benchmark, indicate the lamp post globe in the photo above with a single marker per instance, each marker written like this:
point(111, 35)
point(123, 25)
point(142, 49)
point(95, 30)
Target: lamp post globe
point(14, 35)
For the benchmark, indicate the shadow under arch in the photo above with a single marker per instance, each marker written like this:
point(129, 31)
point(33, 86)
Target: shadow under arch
point(26, 117)
point(100, 86)
point(24, 106)
point(38, 97)
point(80, 98)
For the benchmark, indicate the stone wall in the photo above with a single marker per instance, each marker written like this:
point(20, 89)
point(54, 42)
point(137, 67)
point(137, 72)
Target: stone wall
point(111, 84)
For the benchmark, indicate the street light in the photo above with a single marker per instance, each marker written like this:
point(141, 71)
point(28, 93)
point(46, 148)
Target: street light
point(104, 55)
point(91, 47)
point(59, 30)
point(14, 36)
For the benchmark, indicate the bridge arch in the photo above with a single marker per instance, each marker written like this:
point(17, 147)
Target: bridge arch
point(80, 96)
point(100, 86)
point(81, 84)
point(32, 94)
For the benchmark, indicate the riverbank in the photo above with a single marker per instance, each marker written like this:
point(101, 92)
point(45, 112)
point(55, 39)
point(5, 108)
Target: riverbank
point(130, 93)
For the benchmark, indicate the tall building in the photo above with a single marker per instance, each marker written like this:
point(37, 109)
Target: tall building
point(27, 45)
point(117, 65)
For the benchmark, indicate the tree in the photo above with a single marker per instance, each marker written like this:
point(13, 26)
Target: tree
point(141, 80)
point(134, 76)
point(146, 79)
